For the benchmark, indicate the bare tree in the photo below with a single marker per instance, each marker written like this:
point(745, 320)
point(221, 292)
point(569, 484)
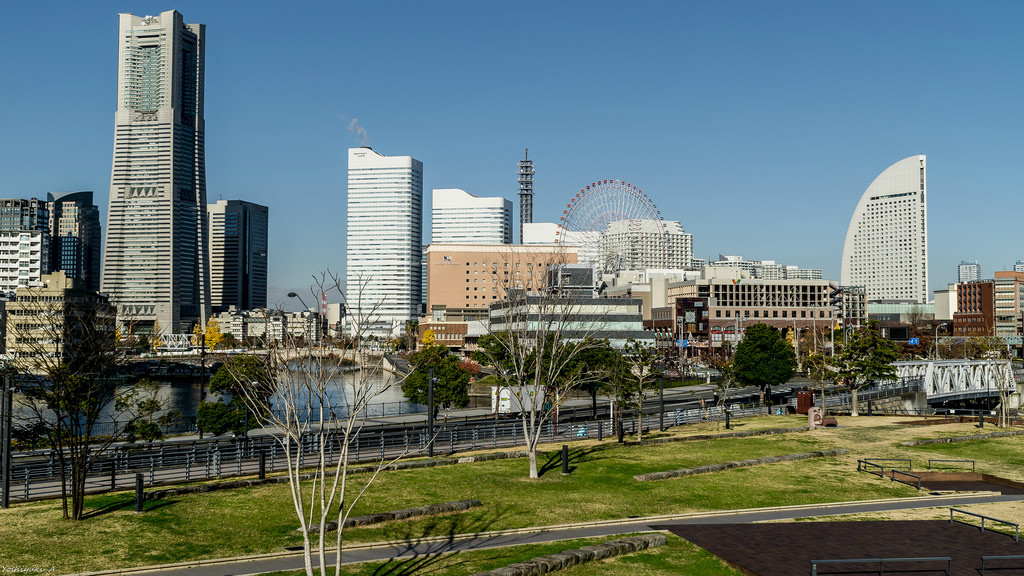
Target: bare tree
point(726, 381)
point(62, 349)
point(635, 373)
point(301, 383)
point(537, 336)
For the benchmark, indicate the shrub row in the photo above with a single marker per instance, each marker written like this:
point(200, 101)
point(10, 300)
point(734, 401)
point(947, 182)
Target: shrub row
point(737, 464)
point(560, 560)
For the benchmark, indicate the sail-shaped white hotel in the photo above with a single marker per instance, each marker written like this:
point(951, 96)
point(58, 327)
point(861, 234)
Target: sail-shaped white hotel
point(886, 249)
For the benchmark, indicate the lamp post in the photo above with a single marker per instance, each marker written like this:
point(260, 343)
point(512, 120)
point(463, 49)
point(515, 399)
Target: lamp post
point(303, 302)
point(936, 339)
point(6, 421)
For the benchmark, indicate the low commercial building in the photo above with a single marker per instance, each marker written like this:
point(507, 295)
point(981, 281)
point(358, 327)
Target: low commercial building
point(717, 307)
point(976, 310)
point(53, 319)
point(463, 280)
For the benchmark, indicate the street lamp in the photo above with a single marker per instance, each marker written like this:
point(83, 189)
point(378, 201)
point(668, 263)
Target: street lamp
point(936, 339)
point(7, 405)
point(303, 302)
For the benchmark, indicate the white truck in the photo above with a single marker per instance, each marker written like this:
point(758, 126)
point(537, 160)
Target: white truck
point(511, 400)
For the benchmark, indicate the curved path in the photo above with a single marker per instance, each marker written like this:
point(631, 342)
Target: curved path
point(411, 549)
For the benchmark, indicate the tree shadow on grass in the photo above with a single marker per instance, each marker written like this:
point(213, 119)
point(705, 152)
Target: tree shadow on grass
point(127, 504)
point(414, 565)
point(577, 456)
point(443, 531)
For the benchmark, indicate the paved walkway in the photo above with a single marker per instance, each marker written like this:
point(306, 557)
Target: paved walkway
point(413, 549)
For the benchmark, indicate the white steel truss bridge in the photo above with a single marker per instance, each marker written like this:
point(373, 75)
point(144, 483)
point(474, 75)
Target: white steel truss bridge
point(945, 380)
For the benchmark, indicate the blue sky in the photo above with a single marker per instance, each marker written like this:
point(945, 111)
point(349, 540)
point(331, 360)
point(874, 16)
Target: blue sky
point(758, 125)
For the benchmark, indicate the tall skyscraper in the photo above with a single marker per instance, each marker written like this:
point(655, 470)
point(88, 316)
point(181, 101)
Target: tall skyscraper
point(24, 243)
point(968, 271)
point(384, 249)
point(76, 237)
point(459, 217)
point(238, 255)
point(154, 265)
point(526, 173)
point(886, 248)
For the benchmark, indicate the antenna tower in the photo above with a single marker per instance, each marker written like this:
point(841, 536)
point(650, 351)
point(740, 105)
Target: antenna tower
point(525, 192)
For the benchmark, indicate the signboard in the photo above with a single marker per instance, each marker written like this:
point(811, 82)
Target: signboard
point(914, 341)
point(684, 343)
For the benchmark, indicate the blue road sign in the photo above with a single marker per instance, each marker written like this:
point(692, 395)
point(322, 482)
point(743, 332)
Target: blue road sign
point(914, 341)
point(684, 343)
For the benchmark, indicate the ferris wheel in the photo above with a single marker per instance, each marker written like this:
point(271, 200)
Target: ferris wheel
point(616, 227)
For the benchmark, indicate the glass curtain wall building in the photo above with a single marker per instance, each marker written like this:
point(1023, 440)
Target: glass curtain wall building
point(384, 250)
point(886, 248)
point(154, 264)
point(76, 237)
point(238, 255)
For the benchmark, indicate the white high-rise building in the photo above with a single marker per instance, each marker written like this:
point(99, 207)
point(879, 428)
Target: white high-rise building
point(24, 259)
point(384, 250)
point(155, 255)
point(886, 248)
point(459, 217)
point(639, 243)
point(968, 271)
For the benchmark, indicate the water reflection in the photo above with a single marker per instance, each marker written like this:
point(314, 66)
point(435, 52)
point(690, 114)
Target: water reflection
point(184, 396)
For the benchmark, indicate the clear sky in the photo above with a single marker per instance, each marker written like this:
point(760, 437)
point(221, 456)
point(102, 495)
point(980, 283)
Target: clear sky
point(756, 124)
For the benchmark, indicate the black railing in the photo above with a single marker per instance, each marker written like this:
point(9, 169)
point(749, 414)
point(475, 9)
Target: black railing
point(883, 561)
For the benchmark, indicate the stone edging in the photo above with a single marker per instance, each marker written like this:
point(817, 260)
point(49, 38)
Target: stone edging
point(741, 434)
point(953, 439)
point(429, 510)
point(737, 464)
point(560, 560)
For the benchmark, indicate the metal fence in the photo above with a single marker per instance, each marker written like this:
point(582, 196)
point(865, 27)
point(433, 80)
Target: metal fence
point(37, 474)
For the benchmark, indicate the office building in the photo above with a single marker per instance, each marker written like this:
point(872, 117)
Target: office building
point(1008, 294)
point(459, 217)
point(766, 269)
point(886, 248)
point(51, 319)
point(75, 237)
point(154, 263)
point(384, 250)
point(463, 280)
point(975, 309)
point(717, 307)
point(968, 271)
point(238, 255)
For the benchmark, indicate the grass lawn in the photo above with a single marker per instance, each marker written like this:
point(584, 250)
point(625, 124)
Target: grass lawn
point(601, 486)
